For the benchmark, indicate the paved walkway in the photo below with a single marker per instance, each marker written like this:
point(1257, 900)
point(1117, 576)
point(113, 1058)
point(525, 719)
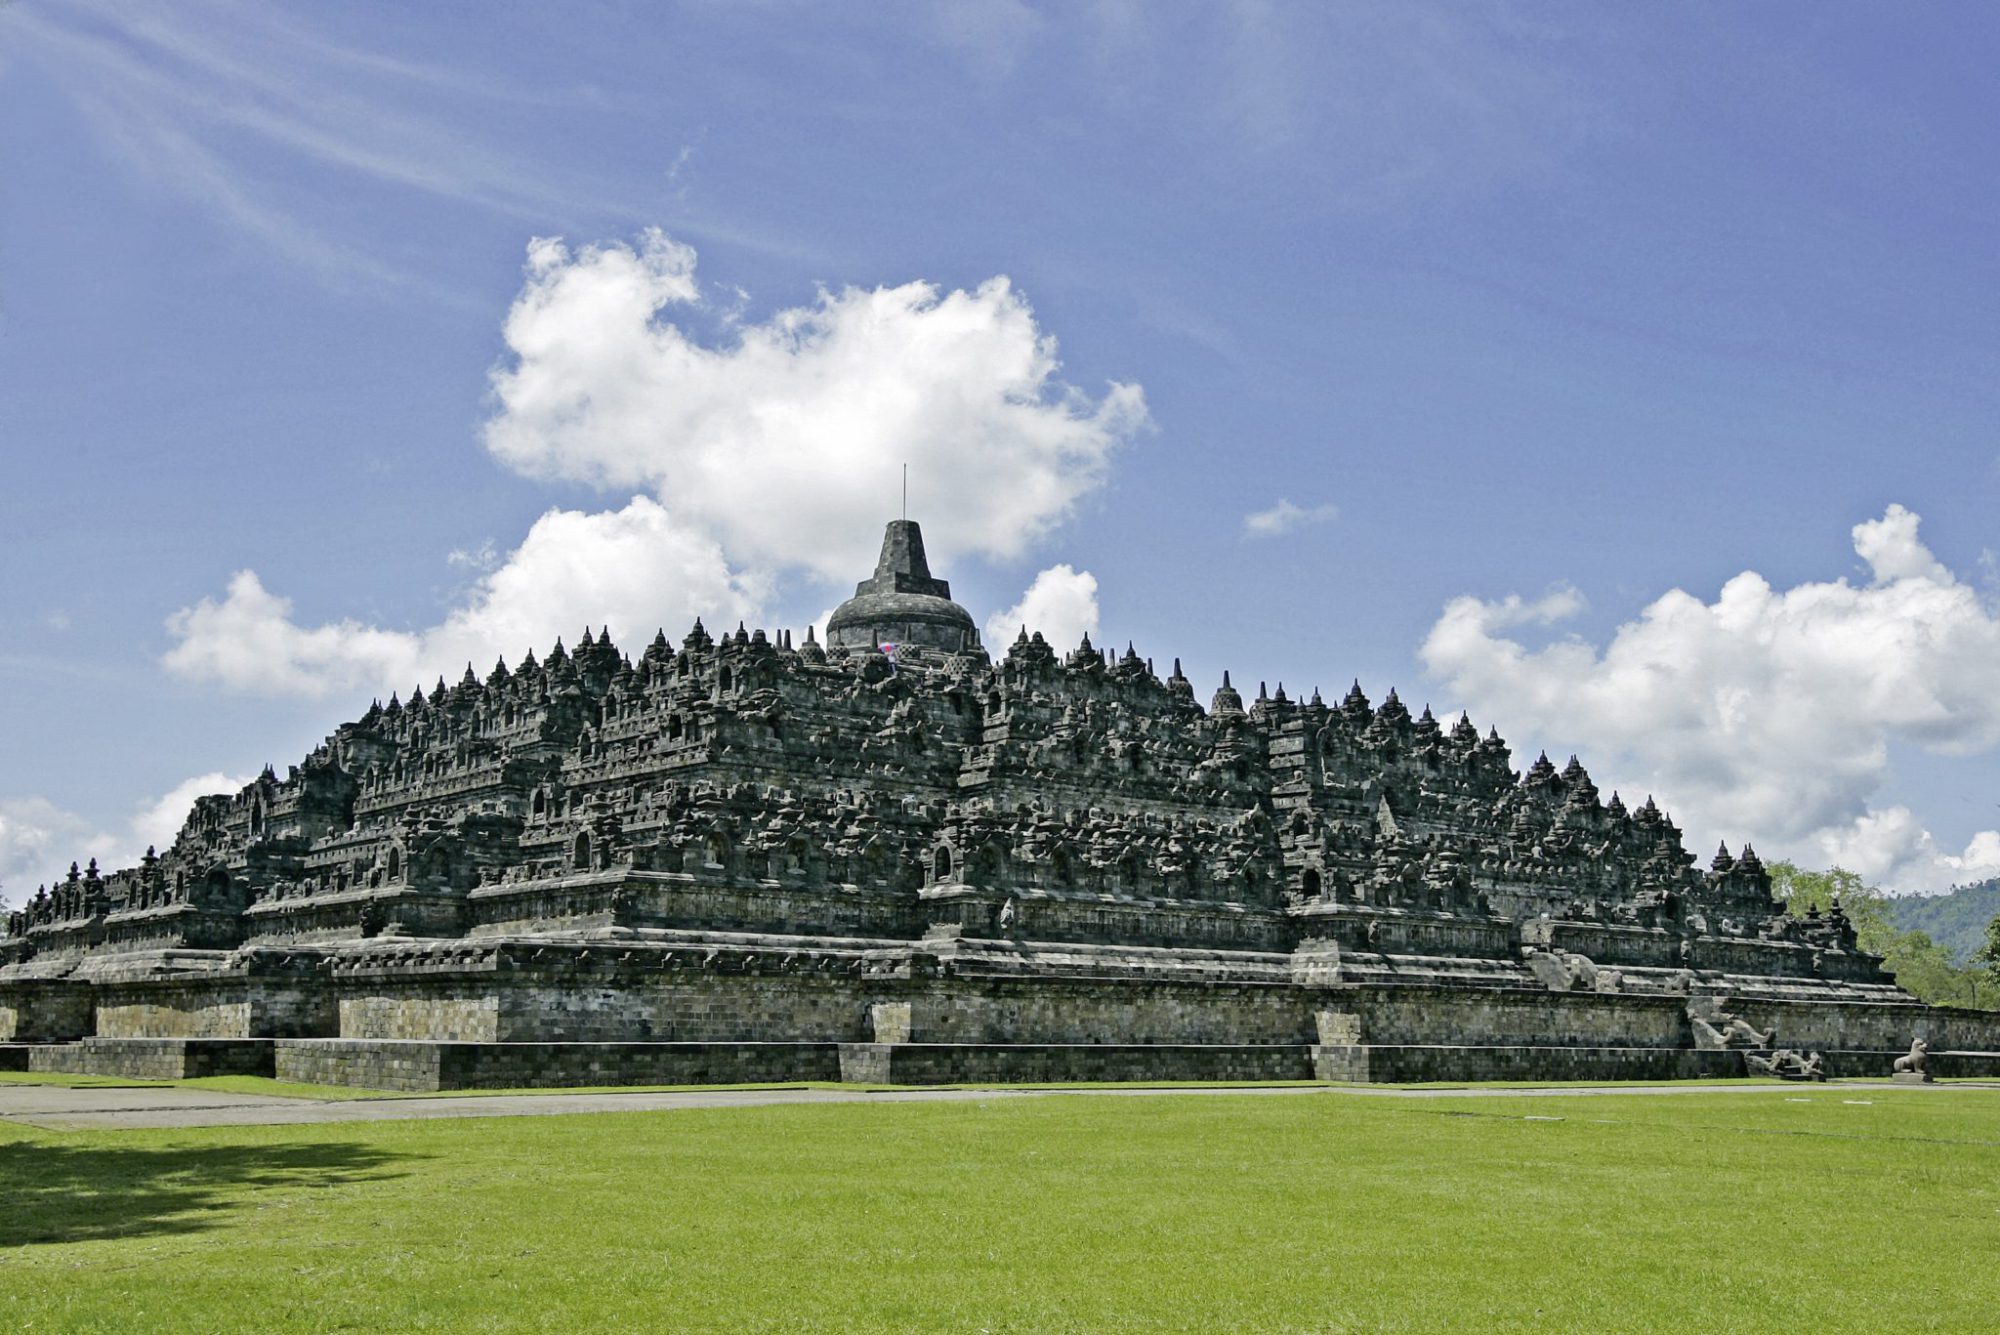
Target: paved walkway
point(121, 1107)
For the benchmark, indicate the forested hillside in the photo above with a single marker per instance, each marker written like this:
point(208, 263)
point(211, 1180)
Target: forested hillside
point(1922, 966)
point(1956, 921)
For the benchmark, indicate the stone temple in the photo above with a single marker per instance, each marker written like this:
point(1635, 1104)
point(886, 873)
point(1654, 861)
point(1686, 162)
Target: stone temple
point(893, 856)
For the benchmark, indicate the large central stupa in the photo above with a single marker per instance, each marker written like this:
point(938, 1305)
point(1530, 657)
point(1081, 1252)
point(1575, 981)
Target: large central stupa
point(901, 604)
point(744, 858)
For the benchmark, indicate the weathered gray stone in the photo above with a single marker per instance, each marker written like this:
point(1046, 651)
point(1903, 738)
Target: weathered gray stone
point(740, 854)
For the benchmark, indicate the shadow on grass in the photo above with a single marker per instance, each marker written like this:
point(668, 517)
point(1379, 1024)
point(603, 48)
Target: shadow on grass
point(61, 1193)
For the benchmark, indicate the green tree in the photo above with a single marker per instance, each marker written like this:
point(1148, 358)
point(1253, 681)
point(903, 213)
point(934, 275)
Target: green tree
point(1922, 967)
point(1865, 905)
point(1987, 957)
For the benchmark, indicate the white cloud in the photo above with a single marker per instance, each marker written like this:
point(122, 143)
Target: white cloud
point(200, 107)
point(635, 568)
point(248, 641)
point(1891, 846)
point(1767, 713)
point(156, 823)
point(1283, 517)
point(481, 558)
point(785, 441)
point(38, 839)
point(778, 453)
point(1061, 604)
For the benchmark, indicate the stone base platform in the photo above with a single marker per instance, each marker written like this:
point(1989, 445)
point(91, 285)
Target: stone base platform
point(426, 1066)
point(422, 1066)
point(1942, 1065)
point(154, 1058)
point(1416, 1063)
point(1042, 1063)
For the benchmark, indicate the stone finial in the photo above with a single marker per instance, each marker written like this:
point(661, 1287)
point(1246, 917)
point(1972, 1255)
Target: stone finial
point(1226, 700)
point(903, 554)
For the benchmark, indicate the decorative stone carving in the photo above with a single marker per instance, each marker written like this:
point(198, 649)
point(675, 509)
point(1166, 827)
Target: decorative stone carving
point(1716, 1029)
point(1913, 1067)
point(1786, 1064)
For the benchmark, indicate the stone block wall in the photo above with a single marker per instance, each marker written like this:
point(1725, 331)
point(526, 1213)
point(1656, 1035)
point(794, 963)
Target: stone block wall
point(678, 900)
point(1420, 1063)
point(422, 1009)
point(154, 1058)
point(683, 1006)
point(424, 1067)
point(407, 1067)
point(1407, 932)
point(160, 1012)
point(1110, 1011)
point(46, 1011)
point(228, 1007)
point(1105, 919)
point(692, 1005)
point(1469, 1017)
point(1030, 1063)
point(1829, 1026)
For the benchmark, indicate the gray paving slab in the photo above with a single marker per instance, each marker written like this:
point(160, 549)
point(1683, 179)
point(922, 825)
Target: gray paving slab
point(133, 1107)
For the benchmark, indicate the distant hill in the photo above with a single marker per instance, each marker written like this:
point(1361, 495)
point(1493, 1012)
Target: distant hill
point(1956, 921)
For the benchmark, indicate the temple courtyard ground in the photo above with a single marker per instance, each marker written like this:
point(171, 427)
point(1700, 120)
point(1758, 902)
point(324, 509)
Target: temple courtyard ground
point(1862, 1207)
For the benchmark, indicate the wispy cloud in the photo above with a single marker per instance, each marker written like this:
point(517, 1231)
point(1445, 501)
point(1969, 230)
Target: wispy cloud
point(199, 108)
point(1284, 517)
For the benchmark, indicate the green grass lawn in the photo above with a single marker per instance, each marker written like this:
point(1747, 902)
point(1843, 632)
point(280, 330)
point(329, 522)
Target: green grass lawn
point(1873, 1210)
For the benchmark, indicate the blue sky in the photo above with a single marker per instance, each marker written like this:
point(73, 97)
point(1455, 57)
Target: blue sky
point(1575, 304)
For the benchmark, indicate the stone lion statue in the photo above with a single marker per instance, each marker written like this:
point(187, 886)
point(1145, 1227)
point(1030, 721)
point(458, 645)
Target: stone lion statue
point(1912, 1063)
